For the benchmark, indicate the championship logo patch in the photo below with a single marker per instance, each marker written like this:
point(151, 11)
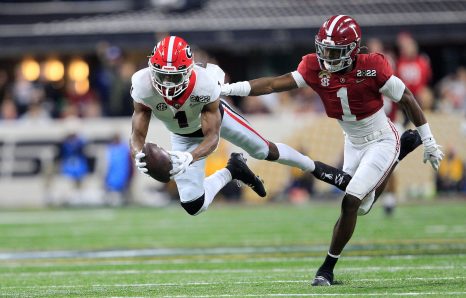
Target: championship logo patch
point(324, 78)
point(161, 106)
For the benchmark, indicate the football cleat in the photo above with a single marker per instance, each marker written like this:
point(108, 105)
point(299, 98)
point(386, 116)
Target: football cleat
point(240, 171)
point(409, 141)
point(323, 278)
point(321, 281)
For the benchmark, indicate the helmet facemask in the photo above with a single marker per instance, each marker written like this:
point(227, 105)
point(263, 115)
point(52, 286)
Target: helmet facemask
point(169, 81)
point(333, 57)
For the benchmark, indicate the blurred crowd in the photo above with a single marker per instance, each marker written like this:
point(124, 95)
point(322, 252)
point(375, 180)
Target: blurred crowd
point(107, 91)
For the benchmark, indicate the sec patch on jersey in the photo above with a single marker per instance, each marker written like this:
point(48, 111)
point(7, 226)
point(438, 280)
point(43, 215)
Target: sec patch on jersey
point(158, 162)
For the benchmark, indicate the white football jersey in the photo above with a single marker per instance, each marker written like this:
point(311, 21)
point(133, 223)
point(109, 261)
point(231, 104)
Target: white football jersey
point(182, 116)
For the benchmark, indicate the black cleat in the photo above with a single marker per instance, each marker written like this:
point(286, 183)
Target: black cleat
point(323, 279)
point(239, 170)
point(409, 140)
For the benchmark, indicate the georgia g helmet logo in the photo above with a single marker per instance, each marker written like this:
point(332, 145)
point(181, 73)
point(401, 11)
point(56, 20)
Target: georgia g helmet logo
point(189, 54)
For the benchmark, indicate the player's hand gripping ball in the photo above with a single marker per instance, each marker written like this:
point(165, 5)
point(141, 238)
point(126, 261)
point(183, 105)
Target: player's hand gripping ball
point(157, 161)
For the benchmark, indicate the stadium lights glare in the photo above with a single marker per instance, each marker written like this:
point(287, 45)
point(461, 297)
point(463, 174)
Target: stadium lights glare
point(54, 70)
point(81, 87)
point(78, 70)
point(30, 69)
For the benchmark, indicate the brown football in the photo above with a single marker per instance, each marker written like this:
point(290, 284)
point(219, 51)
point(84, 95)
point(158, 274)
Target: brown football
point(158, 162)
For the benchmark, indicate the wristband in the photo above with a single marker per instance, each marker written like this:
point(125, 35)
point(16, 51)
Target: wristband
point(240, 88)
point(424, 131)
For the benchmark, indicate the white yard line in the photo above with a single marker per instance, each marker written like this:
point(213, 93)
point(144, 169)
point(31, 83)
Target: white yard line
point(222, 271)
point(220, 283)
point(161, 252)
point(52, 217)
point(205, 260)
point(158, 252)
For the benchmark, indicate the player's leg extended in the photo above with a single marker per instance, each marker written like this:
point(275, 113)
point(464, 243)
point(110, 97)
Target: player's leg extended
point(409, 141)
point(374, 162)
point(197, 193)
point(345, 224)
point(238, 131)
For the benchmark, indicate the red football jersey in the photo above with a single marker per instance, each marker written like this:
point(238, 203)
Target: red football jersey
point(350, 96)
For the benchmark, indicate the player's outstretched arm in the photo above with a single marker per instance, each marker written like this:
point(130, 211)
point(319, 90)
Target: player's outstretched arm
point(139, 127)
point(260, 86)
point(210, 122)
point(432, 152)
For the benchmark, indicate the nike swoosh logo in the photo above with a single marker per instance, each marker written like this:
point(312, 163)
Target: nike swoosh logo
point(359, 81)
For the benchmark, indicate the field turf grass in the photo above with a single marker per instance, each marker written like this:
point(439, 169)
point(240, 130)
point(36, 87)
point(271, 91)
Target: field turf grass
point(230, 251)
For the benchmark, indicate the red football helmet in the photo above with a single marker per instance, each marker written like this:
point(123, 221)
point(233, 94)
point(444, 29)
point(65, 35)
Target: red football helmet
point(337, 43)
point(170, 64)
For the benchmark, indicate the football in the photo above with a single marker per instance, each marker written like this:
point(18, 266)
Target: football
point(158, 162)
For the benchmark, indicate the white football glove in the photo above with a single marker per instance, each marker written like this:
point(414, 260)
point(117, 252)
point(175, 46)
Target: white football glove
point(140, 165)
point(432, 153)
point(225, 89)
point(180, 162)
point(239, 89)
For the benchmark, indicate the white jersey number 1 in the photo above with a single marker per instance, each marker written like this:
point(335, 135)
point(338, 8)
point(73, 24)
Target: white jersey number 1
point(342, 94)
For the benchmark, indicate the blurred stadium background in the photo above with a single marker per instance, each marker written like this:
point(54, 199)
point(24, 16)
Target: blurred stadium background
point(65, 108)
point(65, 68)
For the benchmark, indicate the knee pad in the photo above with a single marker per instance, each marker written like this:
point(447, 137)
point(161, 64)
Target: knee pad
point(193, 207)
point(366, 204)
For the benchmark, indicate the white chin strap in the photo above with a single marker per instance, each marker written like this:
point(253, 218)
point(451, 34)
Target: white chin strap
point(169, 97)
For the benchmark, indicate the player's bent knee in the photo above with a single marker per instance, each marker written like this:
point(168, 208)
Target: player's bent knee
point(273, 153)
point(350, 204)
point(193, 207)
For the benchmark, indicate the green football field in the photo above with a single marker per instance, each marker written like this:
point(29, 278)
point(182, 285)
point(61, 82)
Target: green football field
point(230, 251)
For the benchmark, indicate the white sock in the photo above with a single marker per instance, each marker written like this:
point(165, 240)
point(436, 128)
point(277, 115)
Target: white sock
point(212, 185)
point(291, 157)
point(333, 256)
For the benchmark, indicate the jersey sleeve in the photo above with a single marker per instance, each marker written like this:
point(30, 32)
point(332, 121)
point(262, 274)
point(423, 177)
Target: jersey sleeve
point(212, 89)
point(383, 68)
point(298, 78)
point(393, 88)
point(215, 77)
point(138, 91)
point(304, 70)
point(215, 92)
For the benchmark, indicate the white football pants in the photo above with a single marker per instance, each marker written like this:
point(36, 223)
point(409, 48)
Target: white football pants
point(234, 129)
point(369, 164)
